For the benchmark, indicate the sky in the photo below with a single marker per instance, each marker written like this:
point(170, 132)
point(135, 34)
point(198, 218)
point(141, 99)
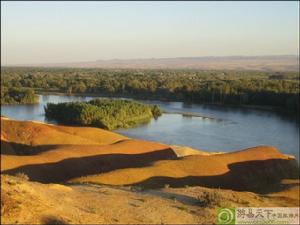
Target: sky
point(59, 32)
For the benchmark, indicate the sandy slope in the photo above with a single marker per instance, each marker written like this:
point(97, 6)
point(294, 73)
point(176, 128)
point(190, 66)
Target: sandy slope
point(58, 153)
point(32, 202)
point(231, 170)
point(68, 152)
point(74, 156)
point(66, 162)
point(35, 133)
point(94, 155)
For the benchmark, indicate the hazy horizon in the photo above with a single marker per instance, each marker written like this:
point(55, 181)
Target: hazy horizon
point(69, 32)
point(156, 58)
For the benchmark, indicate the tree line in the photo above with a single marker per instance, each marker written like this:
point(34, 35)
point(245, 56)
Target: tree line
point(17, 95)
point(274, 89)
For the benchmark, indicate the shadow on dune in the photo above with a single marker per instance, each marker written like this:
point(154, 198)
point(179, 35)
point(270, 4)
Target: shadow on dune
point(13, 148)
point(76, 167)
point(261, 176)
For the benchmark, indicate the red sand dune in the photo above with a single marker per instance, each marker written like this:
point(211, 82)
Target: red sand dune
point(35, 133)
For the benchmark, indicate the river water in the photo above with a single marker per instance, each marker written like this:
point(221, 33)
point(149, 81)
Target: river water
point(232, 129)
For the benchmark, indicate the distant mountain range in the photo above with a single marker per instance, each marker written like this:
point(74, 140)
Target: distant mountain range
point(264, 63)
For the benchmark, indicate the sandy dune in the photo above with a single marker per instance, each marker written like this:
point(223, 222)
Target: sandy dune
point(108, 178)
point(48, 153)
point(34, 134)
point(250, 169)
point(69, 162)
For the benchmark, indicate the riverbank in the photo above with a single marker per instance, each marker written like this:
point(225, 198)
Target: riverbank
point(187, 114)
point(242, 106)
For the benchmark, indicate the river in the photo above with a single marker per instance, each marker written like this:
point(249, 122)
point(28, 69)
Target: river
point(232, 129)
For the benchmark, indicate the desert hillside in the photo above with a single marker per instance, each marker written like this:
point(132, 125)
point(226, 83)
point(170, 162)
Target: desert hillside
point(263, 63)
point(104, 177)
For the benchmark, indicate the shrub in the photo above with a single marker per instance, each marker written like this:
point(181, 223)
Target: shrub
point(23, 176)
point(207, 198)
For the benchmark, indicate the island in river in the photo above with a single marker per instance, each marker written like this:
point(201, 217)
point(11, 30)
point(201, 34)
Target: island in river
point(104, 113)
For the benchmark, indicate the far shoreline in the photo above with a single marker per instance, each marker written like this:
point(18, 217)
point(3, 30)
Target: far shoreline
point(252, 107)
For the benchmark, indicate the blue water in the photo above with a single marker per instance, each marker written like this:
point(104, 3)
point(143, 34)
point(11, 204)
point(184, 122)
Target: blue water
point(237, 128)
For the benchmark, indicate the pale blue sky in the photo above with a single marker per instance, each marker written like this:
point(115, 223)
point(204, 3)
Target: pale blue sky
point(43, 32)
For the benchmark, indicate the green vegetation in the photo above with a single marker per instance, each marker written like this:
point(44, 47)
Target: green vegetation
point(14, 95)
point(207, 198)
point(256, 88)
point(105, 113)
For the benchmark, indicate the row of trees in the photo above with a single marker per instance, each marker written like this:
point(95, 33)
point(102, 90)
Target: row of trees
point(277, 89)
point(18, 95)
point(104, 113)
